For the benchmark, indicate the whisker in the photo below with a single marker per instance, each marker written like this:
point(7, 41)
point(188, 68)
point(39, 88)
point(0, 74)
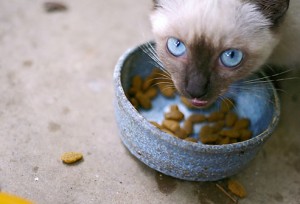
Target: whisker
point(226, 101)
point(259, 88)
point(270, 67)
point(166, 75)
point(167, 87)
point(151, 53)
point(257, 96)
point(165, 83)
point(283, 79)
point(266, 77)
point(273, 80)
point(154, 55)
point(150, 50)
point(155, 64)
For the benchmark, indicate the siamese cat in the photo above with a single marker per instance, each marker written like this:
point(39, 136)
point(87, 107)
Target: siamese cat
point(206, 45)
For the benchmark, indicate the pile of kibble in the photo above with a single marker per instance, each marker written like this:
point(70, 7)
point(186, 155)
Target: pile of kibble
point(220, 127)
point(142, 91)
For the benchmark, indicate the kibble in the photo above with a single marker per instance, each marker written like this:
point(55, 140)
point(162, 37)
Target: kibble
point(237, 188)
point(181, 133)
point(223, 140)
point(245, 134)
point(171, 125)
point(242, 124)
point(220, 127)
point(71, 157)
point(191, 139)
point(188, 127)
point(146, 90)
point(230, 133)
point(167, 131)
point(137, 82)
point(226, 105)
point(209, 138)
point(215, 116)
point(151, 93)
point(174, 114)
point(197, 118)
point(134, 102)
point(230, 119)
point(143, 100)
point(206, 130)
point(186, 102)
point(166, 89)
point(155, 124)
point(149, 81)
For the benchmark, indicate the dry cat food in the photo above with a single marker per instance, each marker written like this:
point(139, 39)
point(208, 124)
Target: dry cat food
point(171, 124)
point(237, 188)
point(223, 127)
point(142, 91)
point(174, 114)
point(71, 157)
point(220, 127)
point(226, 128)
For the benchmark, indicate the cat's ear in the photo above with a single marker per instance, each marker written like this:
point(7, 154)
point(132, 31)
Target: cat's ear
point(274, 10)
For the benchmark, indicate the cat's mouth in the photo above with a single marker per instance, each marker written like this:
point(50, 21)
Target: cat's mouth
point(199, 103)
point(202, 102)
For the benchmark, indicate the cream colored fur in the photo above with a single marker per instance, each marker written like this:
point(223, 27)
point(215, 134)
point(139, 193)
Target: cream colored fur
point(231, 24)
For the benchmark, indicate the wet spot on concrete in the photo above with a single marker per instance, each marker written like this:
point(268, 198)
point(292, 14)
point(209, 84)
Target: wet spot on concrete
point(27, 63)
point(11, 76)
point(208, 193)
point(294, 150)
point(35, 169)
point(51, 7)
point(297, 166)
point(11, 103)
point(166, 184)
point(53, 127)
point(66, 110)
point(278, 197)
point(295, 98)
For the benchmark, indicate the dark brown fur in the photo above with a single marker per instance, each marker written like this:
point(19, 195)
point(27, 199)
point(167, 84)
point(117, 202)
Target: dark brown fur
point(273, 9)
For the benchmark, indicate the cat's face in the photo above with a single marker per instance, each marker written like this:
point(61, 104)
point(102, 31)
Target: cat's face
point(206, 45)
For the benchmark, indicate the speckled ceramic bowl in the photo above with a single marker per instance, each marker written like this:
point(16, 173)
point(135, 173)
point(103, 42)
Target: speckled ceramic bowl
point(179, 158)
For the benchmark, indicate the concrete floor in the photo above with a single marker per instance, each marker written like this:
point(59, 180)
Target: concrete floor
point(56, 96)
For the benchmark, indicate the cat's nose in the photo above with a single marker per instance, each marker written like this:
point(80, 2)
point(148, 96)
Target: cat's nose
point(197, 89)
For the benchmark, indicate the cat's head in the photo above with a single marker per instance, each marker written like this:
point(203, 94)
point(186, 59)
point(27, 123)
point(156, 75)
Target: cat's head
point(206, 45)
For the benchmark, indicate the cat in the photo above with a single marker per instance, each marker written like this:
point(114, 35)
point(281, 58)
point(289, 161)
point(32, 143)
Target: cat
point(206, 45)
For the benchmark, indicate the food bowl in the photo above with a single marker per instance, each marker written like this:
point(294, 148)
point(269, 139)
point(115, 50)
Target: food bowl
point(179, 158)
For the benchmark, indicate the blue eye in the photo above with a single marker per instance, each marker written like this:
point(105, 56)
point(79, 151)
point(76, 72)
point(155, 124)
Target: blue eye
point(176, 47)
point(231, 58)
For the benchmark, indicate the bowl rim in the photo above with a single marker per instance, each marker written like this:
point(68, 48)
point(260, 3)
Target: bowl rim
point(189, 146)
